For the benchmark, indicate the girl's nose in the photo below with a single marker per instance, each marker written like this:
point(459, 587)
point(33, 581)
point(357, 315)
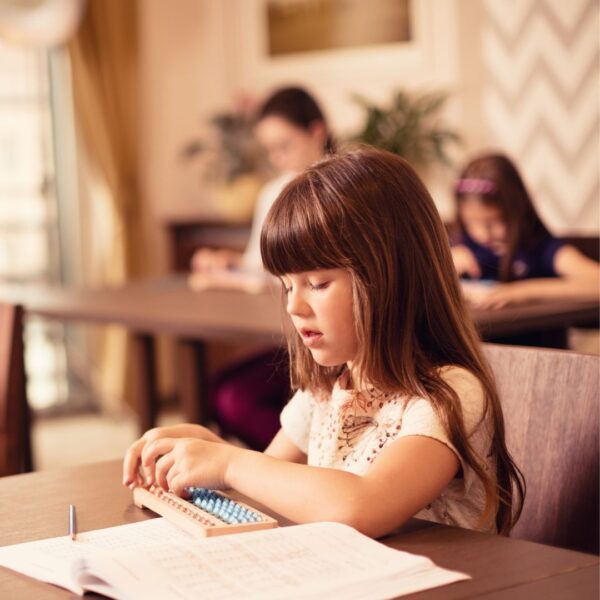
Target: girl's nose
point(295, 304)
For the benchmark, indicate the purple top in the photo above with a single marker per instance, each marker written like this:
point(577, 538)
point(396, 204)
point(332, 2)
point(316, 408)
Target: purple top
point(535, 262)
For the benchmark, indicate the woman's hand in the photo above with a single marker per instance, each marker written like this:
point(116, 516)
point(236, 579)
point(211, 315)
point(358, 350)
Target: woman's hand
point(207, 259)
point(177, 463)
point(132, 462)
point(465, 262)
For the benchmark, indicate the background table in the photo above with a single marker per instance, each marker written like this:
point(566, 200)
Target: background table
point(168, 306)
point(34, 506)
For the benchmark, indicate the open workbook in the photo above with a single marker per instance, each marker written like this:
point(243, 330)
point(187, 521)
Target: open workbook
point(153, 559)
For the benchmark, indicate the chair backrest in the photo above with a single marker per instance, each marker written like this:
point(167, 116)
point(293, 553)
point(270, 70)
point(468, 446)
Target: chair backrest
point(15, 437)
point(550, 400)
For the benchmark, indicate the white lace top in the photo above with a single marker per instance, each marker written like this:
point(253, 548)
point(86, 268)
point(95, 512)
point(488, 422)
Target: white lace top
point(349, 430)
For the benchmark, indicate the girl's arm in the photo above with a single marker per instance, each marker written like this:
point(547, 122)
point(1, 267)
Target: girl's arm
point(282, 447)
point(579, 279)
point(465, 262)
point(403, 479)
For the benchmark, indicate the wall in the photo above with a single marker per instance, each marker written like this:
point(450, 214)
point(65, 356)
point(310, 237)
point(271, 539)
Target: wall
point(183, 78)
point(523, 75)
point(541, 101)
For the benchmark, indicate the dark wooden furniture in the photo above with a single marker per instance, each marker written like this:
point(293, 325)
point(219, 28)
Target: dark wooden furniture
point(15, 438)
point(186, 233)
point(168, 306)
point(165, 306)
point(551, 405)
point(189, 230)
point(500, 567)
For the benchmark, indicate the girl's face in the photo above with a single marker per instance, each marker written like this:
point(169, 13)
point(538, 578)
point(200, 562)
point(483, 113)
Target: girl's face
point(484, 223)
point(320, 305)
point(290, 148)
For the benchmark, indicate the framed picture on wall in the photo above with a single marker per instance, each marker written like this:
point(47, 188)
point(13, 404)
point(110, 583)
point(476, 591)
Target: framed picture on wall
point(296, 26)
point(342, 46)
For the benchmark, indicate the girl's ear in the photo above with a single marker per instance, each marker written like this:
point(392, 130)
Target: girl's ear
point(318, 131)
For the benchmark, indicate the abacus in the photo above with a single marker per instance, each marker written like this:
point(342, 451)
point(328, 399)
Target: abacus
point(205, 512)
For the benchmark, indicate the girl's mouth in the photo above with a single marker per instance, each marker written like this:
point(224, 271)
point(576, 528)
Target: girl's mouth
point(310, 337)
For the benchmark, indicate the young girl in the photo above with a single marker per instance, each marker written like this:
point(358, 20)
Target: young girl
point(396, 413)
point(501, 238)
point(248, 395)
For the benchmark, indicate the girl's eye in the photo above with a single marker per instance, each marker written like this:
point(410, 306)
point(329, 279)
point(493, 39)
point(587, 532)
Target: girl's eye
point(318, 286)
point(286, 289)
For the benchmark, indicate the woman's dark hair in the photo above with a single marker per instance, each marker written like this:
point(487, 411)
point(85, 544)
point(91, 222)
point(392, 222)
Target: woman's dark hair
point(296, 105)
point(368, 212)
point(495, 180)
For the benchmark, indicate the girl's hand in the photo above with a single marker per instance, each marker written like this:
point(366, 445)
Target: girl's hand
point(465, 262)
point(131, 464)
point(501, 295)
point(177, 463)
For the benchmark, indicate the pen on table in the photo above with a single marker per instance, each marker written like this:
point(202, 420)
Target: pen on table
point(72, 522)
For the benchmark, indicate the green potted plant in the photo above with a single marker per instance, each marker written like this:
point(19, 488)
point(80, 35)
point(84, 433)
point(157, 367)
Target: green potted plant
point(410, 127)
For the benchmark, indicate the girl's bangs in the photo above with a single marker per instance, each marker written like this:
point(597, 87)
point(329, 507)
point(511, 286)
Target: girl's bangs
point(296, 236)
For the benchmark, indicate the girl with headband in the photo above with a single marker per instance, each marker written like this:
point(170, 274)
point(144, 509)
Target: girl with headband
point(502, 238)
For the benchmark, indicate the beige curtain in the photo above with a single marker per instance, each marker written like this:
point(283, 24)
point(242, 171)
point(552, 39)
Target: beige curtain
point(104, 66)
point(104, 77)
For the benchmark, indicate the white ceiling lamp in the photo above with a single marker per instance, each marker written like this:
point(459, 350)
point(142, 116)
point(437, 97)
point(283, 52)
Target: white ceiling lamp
point(40, 22)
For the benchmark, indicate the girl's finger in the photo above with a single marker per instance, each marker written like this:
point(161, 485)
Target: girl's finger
point(131, 461)
point(176, 482)
point(150, 455)
point(162, 468)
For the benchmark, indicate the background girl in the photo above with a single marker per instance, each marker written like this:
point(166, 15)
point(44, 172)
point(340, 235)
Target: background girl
point(248, 395)
point(395, 413)
point(501, 238)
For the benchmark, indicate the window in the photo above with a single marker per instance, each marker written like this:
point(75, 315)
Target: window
point(29, 230)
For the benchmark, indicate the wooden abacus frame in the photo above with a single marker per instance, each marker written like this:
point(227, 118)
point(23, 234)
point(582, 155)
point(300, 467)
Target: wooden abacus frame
point(191, 518)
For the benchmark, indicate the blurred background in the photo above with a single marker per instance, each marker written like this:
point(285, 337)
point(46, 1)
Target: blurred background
point(124, 122)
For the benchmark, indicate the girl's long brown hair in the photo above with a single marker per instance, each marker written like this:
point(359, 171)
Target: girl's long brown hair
point(524, 227)
point(368, 212)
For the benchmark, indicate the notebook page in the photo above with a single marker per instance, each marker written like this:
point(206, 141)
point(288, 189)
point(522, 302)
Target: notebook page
point(52, 559)
point(304, 561)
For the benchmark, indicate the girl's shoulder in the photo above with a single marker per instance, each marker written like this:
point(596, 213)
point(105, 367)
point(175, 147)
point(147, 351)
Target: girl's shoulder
point(460, 378)
point(469, 390)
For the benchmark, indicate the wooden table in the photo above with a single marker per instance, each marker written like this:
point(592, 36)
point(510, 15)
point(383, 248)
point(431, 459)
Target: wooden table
point(168, 306)
point(34, 506)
